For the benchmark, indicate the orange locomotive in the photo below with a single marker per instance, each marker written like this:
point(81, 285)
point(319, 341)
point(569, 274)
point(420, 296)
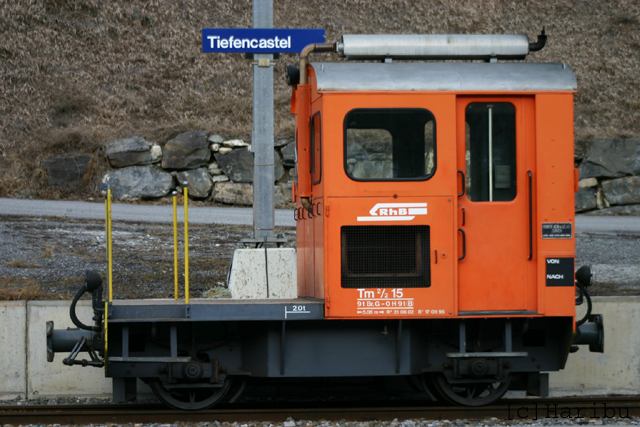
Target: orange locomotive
point(435, 239)
point(441, 191)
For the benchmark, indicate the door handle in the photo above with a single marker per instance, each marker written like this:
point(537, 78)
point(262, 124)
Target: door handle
point(463, 183)
point(464, 244)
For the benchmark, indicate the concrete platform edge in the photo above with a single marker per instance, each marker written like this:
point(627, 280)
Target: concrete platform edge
point(25, 373)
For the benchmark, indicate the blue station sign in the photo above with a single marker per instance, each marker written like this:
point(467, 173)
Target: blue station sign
point(259, 40)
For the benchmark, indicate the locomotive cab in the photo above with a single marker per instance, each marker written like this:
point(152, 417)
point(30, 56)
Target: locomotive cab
point(436, 189)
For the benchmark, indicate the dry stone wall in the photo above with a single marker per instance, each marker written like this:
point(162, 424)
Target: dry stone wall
point(215, 168)
point(609, 177)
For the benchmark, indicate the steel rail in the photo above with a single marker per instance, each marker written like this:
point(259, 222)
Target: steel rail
point(506, 409)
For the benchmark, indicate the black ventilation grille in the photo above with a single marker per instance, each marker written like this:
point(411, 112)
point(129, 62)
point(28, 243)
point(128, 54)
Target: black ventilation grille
point(386, 256)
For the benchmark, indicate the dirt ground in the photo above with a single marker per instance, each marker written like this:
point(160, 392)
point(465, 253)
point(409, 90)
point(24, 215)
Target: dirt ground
point(46, 258)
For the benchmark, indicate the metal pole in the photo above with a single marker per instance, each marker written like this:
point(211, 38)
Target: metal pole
point(109, 244)
point(262, 133)
point(175, 244)
point(185, 193)
point(106, 229)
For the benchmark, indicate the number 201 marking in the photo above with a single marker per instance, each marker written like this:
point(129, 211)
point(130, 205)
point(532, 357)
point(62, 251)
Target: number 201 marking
point(296, 309)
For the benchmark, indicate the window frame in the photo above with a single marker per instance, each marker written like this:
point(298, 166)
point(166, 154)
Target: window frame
point(516, 149)
point(382, 110)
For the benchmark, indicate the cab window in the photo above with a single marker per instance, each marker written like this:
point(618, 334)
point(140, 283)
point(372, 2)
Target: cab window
point(491, 151)
point(390, 144)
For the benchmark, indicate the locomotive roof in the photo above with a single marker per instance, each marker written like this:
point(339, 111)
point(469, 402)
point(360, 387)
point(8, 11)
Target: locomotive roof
point(449, 76)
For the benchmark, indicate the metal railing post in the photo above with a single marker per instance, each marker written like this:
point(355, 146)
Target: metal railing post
point(185, 194)
point(175, 244)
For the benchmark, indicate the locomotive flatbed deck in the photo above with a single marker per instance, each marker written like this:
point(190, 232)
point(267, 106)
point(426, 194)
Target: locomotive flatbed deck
point(163, 310)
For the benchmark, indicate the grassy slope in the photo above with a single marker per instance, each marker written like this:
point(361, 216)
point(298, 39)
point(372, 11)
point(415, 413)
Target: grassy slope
point(76, 74)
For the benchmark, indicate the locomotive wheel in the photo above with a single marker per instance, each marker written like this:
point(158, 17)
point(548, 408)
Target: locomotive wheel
point(471, 394)
point(190, 398)
point(424, 384)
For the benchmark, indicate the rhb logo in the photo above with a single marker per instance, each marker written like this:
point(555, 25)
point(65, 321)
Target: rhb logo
point(395, 212)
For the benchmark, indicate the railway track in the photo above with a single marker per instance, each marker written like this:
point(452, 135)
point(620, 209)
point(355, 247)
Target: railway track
point(507, 409)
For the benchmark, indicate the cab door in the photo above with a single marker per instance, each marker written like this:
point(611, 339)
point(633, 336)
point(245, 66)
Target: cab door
point(494, 205)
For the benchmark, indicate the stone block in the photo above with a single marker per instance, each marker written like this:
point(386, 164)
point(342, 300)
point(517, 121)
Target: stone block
point(216, 139)
point(156, 153)
point(13, 327)
point(232, 193)
point(139, 182)
point(200, 184)
point(612, 158)
point(67, 171)
point(235, 143)
point(289, 154)
point(237, 164)
point(214, 169)
point(133, 151)
point(248, 274)
point(622, 191)
point(278, 168)
point(589, 182)
point(220, 178)
point(586, 199)
point(601, 201)
point(188, 150)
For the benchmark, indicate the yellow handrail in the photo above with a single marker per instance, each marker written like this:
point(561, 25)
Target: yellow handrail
point(109, 248)
point(185, 193)
point(175, 244)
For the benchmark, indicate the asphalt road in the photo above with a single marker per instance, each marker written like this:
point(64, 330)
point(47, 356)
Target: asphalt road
point(237, 216)
point(137, 213)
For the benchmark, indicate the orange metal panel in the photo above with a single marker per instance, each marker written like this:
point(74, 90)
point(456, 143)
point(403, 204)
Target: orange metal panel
point(436, 301)
point(556, 204)
point(493, 276)
point(318, 242)
point(303, 109)
point(300, 252)
point(309, 255)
